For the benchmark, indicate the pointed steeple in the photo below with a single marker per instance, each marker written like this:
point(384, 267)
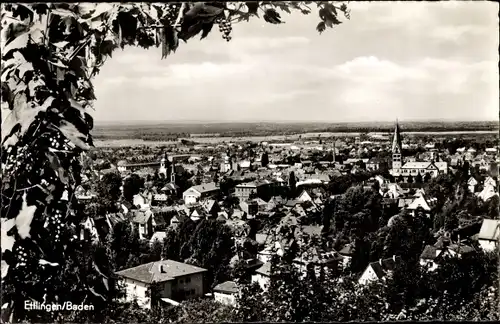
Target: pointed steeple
point(396, 142)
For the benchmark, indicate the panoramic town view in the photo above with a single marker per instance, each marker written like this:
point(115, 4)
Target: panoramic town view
point(289, 167)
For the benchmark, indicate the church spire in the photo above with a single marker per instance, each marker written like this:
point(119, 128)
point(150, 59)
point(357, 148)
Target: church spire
point(396, 142)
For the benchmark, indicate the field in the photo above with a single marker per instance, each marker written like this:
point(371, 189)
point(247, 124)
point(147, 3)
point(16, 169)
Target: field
point(213, 133)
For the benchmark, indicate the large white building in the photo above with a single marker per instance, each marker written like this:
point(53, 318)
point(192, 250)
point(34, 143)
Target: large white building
point(175, 281)
point(197, 193)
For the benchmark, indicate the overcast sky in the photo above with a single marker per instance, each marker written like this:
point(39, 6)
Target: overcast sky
point(412, 61)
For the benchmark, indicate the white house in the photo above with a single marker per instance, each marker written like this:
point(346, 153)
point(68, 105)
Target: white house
point(489, 181)
point(197, 193)
point(432, 254)
point(158, 237)
point(226, 293)
point(487, 193)
point(262, 275)
point(143, 219)
point(489, 233)
point(346, 253)
point(140, 201)
point(88, 229)
point(471, 184)
point(378, 270)
point(176, 281)
point(304, 196)
point(421, 201)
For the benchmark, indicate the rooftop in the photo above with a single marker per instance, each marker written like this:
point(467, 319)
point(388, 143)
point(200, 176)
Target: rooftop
point(227, 287)
point(159, 271)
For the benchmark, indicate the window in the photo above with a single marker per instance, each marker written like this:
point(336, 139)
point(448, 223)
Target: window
point(181, 281)
point(188, 280)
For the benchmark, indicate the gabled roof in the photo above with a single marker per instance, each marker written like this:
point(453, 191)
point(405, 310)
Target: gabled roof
point(489, 230)
point(383, 266)
point(347, 250)
point(229, 287)
point(170, 186)
point(461, 248)
point(151, 272)
point(421, 201)
point(429, 253)
point(265, 269)
point(208, 204)
point(141, 217)
point(206, 187)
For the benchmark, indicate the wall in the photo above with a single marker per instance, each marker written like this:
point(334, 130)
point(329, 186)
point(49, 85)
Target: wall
point(367, 276)
point(261, 280)
point(137, 290)
point(225, 299)
point(190, 197)
point(428, 264)
point(487, 245)
point(195, 283)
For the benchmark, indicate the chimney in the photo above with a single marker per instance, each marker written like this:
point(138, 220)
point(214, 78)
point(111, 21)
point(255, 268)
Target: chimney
point(162, 269)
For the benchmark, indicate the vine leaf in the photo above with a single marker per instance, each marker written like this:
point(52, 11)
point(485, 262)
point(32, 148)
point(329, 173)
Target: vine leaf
point(69, 130)
point(169, 40)
point(7, 240)
point(205, 30)
point(252, 8)
point(24, 218)
point(56, 166)
point(22, 116)
point(321, 27)
point(272, 16)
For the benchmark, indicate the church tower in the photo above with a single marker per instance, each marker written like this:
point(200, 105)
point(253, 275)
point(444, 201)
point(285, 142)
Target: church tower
point(397, 149)
point(163, 166)
point(172, 173)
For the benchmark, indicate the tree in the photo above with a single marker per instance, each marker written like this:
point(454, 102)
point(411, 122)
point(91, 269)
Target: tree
point(252, 195)
point(292, 184)
point(265, 159)
point(418, 178)
point(108, 191)
point(50, 55)
point(132, 186)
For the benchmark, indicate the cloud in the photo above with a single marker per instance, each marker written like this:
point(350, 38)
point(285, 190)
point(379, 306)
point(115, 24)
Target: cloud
point(456, 33)
point(372, 69)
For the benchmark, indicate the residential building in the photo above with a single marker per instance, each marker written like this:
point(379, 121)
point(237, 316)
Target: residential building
point(262, 275)
point(200, 192)
point(226, 293)
point(444, 247)
point(143, 219)
point(378, 270)
point(471, 184)
point(489, 234)
point(262, 189)
point(175, 281)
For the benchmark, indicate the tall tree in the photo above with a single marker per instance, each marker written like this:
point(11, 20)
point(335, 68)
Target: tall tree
point(108, 191)
point(264, 159)
point(132, 186)
point(292, 184)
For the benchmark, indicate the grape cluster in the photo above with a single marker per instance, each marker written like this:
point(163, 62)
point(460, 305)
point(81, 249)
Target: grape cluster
point(17, 157)
point(225, 28)
point(55, 224)
point(172, 12)
point(21, 256)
